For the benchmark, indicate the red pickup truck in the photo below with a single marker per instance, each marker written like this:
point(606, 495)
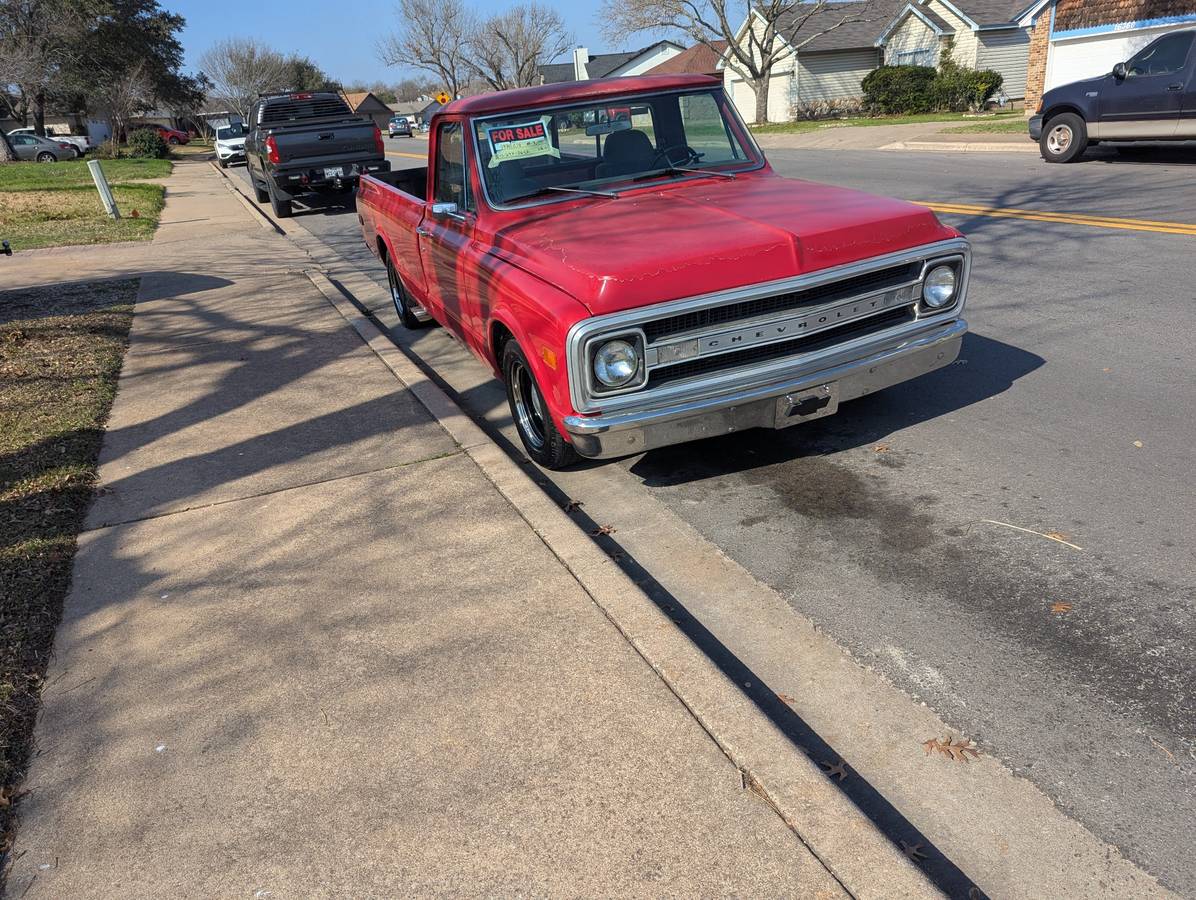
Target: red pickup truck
point(624, 258)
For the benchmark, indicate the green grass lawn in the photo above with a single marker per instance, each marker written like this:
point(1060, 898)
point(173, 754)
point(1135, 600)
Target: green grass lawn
point(26, 176)
point(866, 121)
point(56, 204)
point(60, 354)
point(1003, 126)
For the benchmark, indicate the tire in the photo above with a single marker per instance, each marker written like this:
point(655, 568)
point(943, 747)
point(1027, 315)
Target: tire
point(401, 299)
point(173, 141)
point(1064, 139)
point(46, 156)
point(281, 207)
point(541, 440)
point(224, 163)
point(258, 191)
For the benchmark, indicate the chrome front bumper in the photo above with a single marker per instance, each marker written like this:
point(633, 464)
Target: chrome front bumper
point(634, 431)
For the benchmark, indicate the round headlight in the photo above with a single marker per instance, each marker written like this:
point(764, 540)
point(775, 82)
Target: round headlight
point(939, 289)
point(616, 363)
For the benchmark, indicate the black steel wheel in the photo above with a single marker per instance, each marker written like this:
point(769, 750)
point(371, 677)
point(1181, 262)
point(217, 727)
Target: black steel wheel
point(543, 443)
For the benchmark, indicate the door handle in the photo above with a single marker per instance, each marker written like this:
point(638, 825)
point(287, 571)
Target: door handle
point(422, 232)
point(1175, 87)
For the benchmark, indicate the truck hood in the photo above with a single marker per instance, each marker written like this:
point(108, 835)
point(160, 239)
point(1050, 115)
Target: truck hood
point(697, 237)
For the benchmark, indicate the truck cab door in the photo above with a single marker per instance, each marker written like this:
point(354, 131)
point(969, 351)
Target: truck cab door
point(1187, 112)
point(1146, 103)
point(446, 232)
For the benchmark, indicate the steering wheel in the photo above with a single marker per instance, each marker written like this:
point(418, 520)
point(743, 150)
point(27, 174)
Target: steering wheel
point(666, 154)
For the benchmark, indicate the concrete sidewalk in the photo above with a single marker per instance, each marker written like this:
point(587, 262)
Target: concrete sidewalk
point(311, 650)
point(919, 136)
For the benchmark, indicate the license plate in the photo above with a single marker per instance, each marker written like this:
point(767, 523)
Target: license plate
point(807, 405)
point(334, 172)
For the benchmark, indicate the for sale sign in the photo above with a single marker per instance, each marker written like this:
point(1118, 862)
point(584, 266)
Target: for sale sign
point(520, 141)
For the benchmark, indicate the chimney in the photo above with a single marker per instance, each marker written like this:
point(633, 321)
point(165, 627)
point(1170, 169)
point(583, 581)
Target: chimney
point(581, 56)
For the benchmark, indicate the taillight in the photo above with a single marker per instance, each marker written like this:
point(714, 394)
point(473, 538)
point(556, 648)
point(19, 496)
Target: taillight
point(378, 145)
point(272, 149)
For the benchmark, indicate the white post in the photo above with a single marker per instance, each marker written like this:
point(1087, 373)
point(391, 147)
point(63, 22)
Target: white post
point(97, 175)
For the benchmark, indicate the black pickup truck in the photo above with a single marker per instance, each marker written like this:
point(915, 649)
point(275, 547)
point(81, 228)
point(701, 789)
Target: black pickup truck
point(307, 142)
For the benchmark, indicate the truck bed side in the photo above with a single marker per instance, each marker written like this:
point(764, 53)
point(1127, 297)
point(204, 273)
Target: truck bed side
point(392, 206)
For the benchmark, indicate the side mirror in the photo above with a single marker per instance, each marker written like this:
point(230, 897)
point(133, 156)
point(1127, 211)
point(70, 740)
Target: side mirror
point(444, 210)
point(1120, 71)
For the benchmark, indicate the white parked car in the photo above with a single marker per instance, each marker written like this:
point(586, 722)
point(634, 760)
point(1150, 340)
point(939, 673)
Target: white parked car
point(81, 143)
point(230, 144)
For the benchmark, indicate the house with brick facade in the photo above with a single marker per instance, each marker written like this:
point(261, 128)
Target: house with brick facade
point(981, 34)
point(1075, 39)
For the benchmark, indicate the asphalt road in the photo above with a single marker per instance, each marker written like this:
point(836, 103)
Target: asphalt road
point(910, 527)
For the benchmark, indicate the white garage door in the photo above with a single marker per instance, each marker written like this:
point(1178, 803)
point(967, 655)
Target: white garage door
point(1089, 57)
point(835, 75)
point(1007, 52)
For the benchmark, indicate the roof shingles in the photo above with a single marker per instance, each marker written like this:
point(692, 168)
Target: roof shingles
point(1073, 15)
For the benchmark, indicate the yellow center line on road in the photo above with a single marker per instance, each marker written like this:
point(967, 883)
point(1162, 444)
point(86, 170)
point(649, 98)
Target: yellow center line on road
point(994, 212)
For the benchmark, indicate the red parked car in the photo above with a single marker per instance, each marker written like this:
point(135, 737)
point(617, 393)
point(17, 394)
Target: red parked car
point(643, 279)
point(172, 135)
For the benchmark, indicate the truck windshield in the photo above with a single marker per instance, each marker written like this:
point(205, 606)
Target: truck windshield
point(610, 145)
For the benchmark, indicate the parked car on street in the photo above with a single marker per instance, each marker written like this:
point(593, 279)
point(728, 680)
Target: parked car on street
point(301, 143)
point(230, 144)
point(82, 144)
point(399, 125)
point(1150, 98)
point(623, 257)
point(40, 149)
point(172, 136)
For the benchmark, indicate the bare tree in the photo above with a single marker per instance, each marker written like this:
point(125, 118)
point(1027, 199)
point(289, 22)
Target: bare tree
point(124, 94)
point(37, 38)
point(758, 33)
point(241, 69)
point(506, 50)
point(433, 37)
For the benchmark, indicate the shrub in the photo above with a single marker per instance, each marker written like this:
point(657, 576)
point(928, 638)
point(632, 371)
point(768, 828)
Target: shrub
point(899, 90)
point(960, 89)
point(109, 149)
point(145, 143)
point(810, 110)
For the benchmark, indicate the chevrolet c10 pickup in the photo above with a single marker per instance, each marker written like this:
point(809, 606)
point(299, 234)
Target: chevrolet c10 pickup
point(622, 256)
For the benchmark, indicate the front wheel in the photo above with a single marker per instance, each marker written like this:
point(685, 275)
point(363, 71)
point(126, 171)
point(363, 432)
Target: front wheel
point(46, 156)
point(540, 437)
point(1064, 139)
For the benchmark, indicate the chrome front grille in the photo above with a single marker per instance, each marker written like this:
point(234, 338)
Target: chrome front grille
point(789, 301)
point(808, 344)
point(720, 342)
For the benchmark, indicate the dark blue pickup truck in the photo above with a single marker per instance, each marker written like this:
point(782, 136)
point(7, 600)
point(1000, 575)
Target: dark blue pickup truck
point(1150, 98)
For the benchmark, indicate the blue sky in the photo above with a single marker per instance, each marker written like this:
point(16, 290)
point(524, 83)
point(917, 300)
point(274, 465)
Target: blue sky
point(339, 37)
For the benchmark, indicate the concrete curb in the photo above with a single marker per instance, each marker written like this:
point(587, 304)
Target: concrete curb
point(962, 147)
point(847, 843)
point(260, 217)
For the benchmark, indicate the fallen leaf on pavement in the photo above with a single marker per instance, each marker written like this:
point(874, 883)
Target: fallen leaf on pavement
point(603, 529)
point(1138, 444)
point(785, 698)
point(573, 504)
point(957, 750)
point(913, 851)
point(838, 770)
point(881, 448)
point(1058, 608)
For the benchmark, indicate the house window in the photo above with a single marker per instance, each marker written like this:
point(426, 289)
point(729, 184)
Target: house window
point(915, 57)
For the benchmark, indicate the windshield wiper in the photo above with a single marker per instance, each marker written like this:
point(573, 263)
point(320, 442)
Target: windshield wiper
point(682, 170)
point(564, 190)
point(567, 190)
